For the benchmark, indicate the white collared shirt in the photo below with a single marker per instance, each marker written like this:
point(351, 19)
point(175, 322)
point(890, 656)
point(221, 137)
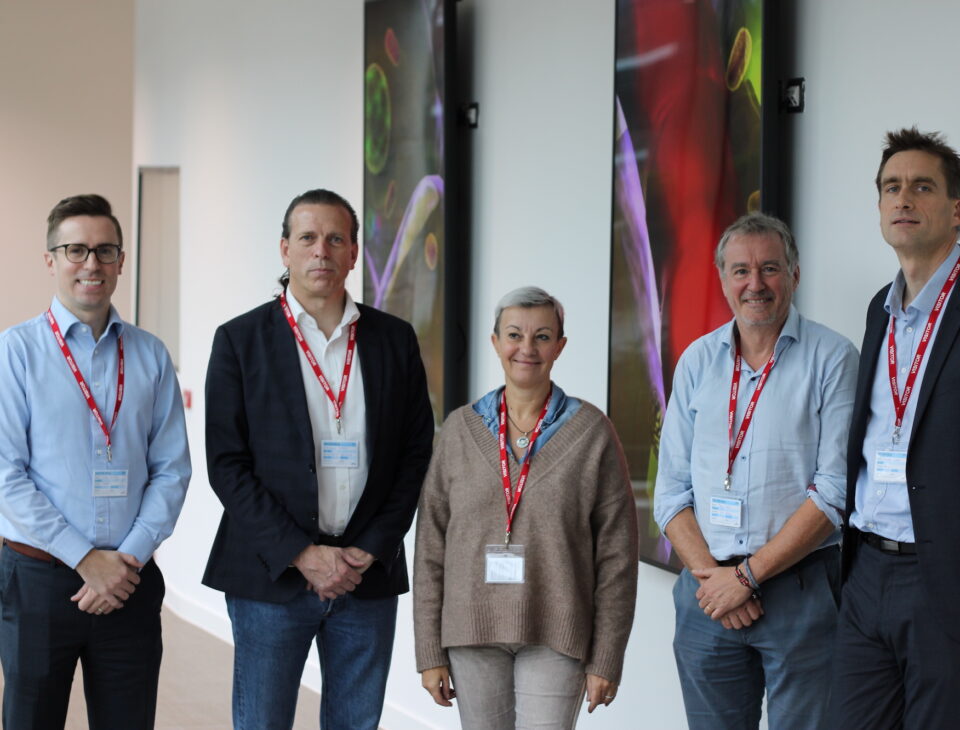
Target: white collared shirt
point(339, 488)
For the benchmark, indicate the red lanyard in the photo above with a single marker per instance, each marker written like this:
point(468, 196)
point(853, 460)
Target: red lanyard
point(748, 415)
point(900, 401)
point(91, 403)
point(347, 363)
point(513, 503)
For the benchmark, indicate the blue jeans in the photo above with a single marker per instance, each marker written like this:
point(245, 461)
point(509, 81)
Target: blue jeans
point(354, 640)
point(789, 651)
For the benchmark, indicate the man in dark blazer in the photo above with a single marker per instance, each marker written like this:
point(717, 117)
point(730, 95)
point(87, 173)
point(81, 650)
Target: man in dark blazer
point(898, 643)
point(318, 434)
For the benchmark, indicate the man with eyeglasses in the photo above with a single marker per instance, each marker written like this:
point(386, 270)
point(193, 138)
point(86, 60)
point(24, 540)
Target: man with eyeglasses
point(94, 467)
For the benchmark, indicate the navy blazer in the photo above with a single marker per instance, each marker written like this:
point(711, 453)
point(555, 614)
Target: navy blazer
point(261, 456)
point(933, 456)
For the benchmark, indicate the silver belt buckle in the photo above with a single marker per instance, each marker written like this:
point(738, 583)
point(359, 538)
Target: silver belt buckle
point(891, 546)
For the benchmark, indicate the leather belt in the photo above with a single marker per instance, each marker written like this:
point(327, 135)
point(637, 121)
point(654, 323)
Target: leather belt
point(891, 547)
point(32, 552)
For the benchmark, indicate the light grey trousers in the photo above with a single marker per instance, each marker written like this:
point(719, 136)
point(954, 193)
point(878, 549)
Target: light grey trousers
point(516, 687)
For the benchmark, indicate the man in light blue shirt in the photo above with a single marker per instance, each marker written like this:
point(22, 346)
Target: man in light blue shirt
point(898, 635)
point(750, 490)
point(94, 467)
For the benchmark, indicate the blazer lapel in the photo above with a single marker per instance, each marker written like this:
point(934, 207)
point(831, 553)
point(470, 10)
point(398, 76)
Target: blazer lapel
point(371, 357)
point(872, 344)
point(285, 369)
point(946, 335)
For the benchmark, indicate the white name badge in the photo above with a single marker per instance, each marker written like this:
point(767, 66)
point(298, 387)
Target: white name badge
point(890, 466)
point(504, 564)
point(725, 511)
point(109, 482)
point(339, 454)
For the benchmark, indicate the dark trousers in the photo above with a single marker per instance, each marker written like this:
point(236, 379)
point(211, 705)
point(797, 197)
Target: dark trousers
point(43, 634)
point(895, 666)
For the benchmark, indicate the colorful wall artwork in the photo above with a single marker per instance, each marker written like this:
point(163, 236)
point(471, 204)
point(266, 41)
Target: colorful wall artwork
point(687, 163)
point(404, 231)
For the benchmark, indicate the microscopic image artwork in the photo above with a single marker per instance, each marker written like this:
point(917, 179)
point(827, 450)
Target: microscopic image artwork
point(404, 221)
point(687, 163)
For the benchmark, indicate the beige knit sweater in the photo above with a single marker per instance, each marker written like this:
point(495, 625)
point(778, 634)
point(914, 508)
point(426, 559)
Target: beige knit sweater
point(576, 521)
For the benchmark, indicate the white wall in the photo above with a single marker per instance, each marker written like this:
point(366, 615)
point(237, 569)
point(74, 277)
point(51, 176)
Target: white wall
point(258, 101)
point(869, 68)
point(255, 102)
point(66, 127)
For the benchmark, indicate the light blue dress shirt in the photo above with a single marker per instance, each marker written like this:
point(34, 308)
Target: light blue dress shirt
point(798, 436)
point(50, 443)
point(884, 507)
point(561, 409)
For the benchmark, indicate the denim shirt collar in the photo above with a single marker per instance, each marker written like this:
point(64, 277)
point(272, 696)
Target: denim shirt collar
point(488, 407)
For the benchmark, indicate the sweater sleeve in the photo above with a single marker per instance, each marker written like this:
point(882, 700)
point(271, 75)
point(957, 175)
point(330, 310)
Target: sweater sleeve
point(614, 525)
point(432, 517)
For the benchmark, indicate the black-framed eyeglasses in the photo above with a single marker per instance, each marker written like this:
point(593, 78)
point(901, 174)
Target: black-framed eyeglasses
point(77, 253)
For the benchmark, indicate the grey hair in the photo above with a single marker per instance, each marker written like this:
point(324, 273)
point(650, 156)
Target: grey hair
point(527, 296)
point(754, 224)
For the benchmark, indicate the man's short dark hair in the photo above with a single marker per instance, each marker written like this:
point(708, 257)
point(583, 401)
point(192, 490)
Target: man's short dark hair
point(318, 197)
point(90, 204)
point(903, 140)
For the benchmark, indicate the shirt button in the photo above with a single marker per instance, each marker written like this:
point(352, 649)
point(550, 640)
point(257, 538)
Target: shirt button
point(99, 452)
point(100, 520)
point(879, 492)
point(909, 329)
point(903, 370)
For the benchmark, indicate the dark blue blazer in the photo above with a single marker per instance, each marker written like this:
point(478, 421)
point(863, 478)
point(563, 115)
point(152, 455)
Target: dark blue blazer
point(933, 456)
point(260, 454)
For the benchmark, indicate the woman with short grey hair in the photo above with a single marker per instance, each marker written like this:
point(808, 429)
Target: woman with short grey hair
point(526, 563)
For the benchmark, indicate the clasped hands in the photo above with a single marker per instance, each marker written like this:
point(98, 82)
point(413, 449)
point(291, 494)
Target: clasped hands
point(110, 578)
point(332, 571)
point(723, 598)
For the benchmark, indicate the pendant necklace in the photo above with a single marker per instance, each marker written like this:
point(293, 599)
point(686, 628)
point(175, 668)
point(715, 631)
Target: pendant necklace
point(523, 441)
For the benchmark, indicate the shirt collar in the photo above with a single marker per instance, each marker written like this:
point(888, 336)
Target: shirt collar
point(489, 405)
point(789, 333)
point(67, 320)
point(924, 301)
point(351, 313)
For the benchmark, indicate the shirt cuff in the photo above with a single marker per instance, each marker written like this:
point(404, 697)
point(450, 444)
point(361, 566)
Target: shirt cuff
point(833, 514)
point(70, 546)
point(138, 544)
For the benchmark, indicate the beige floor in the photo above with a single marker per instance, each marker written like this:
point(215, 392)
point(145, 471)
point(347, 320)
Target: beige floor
point(195, 681)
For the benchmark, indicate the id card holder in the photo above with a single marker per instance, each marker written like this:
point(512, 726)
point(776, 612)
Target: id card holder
point(725, 511)
point(890, 466)
point(504, 564)
point(110, 482)
point(339, 454)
